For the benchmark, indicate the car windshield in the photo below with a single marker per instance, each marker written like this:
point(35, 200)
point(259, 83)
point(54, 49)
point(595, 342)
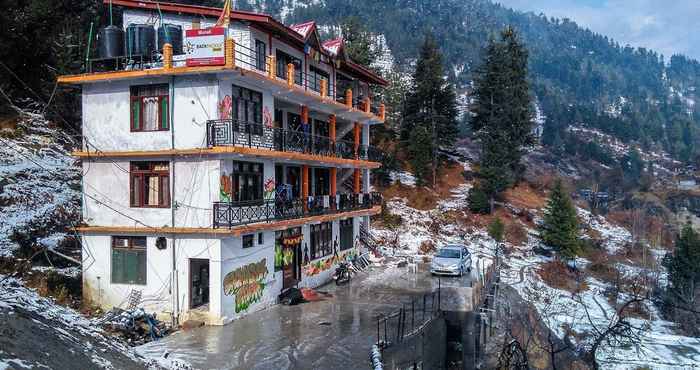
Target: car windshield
point(448, 253)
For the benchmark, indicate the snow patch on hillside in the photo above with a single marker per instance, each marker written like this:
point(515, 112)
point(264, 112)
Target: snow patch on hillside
point(39, 182)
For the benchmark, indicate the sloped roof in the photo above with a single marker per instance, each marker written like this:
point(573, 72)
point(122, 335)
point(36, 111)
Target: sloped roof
point(334, 47)
point(304, 29)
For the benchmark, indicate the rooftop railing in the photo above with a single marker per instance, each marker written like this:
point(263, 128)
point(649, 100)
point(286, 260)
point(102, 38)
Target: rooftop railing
point(231, 214)
point(230, 132)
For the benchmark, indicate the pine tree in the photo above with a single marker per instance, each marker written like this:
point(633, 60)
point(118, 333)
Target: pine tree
point(478, 201)
point(502, 112)
point(359, 42)
point(420, 154)
point(560, 227)
point(684, 268)
point(430, 105)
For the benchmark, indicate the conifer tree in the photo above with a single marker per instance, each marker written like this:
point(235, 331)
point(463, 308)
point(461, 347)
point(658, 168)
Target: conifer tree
point(684, 268)
point(560, 227)
point(420, 152)
point(502, 112)
point(430, 104)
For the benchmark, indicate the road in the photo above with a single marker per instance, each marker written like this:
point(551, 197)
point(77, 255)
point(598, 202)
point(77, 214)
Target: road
point(336, 333)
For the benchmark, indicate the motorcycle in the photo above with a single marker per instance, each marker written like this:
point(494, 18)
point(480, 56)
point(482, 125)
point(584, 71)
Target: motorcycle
point(342, 274)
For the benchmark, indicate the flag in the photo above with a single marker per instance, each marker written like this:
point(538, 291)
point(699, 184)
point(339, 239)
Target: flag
point(225, 14)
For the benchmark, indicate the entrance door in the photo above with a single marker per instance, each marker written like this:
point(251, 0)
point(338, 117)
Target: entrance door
point(290, 271)
point(199, 282)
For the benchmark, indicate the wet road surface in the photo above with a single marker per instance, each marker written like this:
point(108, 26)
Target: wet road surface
point(333, 334)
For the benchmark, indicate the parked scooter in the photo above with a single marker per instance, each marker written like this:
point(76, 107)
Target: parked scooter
point(342, 274)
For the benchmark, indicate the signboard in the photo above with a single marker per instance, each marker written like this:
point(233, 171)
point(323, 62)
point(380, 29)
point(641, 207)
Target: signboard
point(205, 47)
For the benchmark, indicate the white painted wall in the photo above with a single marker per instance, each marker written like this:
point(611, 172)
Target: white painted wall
point(108, 203)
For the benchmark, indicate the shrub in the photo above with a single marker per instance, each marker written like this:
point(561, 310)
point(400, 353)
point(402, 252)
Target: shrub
point(478, 201)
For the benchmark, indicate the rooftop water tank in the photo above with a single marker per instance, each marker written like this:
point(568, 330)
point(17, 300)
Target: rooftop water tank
point(170, 34)
point(140, 40)
point(111, 42)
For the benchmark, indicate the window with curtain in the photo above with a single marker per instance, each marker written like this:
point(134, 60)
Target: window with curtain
point(321, 240)
point(247, 109)
point(247, 181)
point(150, 108)
point(129, 260)
point(150, 184)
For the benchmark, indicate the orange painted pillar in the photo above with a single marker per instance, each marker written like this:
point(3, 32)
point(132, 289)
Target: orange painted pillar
point(357, 139)
point(331, 127)
point(305, 185)
point(357, 188)
point(304, 114)
point(333, 174)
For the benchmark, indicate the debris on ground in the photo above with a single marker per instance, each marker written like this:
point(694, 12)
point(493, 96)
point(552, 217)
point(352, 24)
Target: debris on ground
point(311, 295)
point(292, 297)
point(135, 326)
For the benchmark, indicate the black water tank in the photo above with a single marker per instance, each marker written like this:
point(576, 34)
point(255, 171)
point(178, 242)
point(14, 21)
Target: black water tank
point(140, 39)
point(172, 34)
point(111, 42)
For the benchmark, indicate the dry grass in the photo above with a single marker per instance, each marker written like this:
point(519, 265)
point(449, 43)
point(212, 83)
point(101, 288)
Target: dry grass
point(525, 196)
point(558, 275)
point(422, 199)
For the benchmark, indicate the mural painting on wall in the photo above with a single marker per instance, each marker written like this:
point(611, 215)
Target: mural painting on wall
point(225, 107)
point(269, 189)
point(316, 267)
point(267, 117)
point(247, 283)
point(225, 188)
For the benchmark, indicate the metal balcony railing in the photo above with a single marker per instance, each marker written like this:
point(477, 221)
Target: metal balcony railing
point(252, 135)
point(230, 214)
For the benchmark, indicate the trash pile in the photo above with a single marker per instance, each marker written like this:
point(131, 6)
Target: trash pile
point(135, 326)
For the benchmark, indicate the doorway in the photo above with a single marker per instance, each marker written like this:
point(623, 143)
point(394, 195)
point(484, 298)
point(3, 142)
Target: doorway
point(199, 282)
point(290, 240)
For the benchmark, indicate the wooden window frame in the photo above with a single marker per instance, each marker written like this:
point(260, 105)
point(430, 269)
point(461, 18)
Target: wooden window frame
point(251, 238)
point(257, 119)
point(316, 75)
point(282, 66)
point(237, 170)
point(163, 177)
point(343, 227)
point(131, 247)
point(135, 98)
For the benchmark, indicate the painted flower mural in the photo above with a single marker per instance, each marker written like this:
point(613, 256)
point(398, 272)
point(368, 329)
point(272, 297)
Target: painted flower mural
point(270, 189)
point(226, 188)
point(225, 106)
point(316, 267)
point(247, 283)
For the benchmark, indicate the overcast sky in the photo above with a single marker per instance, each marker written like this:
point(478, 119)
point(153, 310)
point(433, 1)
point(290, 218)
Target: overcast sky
point(666, 26)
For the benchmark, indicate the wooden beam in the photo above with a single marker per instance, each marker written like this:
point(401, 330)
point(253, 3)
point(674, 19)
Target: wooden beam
point(222, 150)
point(225, 232)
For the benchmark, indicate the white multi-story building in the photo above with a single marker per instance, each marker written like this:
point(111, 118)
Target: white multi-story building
point(211, 187)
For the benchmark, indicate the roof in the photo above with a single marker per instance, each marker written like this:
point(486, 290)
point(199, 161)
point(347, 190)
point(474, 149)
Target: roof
point(304, 29)
point(334, 46)
point(295, 34)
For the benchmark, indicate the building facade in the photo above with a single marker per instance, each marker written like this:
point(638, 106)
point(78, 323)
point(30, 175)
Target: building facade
point(209, 190)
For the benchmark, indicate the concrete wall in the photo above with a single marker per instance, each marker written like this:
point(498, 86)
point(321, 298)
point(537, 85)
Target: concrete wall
point(157, 293)
point(195, 188)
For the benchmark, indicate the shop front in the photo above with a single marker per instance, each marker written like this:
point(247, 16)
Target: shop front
point(288, 256)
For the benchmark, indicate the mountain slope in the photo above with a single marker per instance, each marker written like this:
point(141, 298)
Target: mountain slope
point(578, 76)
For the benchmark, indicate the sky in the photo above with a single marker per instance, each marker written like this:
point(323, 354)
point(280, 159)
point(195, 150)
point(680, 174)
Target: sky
point(666, 26)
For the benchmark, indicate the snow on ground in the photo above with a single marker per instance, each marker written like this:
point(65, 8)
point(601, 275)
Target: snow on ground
point(405, 178)
point(661, 346)
point(39, 184)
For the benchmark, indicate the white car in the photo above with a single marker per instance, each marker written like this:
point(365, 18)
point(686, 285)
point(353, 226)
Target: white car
point(451, 259)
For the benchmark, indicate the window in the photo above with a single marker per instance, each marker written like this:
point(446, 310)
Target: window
point(248, 241)
point(260, 239)
point(321, 240)
point(129, 260)
point(150, 184)
point(247, 109)
point(315, 77)
point(150, 108)
point(282, 60)
point(260, 55)
point(346, 234)
point(246, 179)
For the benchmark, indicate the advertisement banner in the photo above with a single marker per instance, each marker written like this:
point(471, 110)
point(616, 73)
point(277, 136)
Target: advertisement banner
point(205, 47)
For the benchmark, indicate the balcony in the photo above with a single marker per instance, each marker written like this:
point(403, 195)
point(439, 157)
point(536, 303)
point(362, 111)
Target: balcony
point(229, 215)
point(237, 133)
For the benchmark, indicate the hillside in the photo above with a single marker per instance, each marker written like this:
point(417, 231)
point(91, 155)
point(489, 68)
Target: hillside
point(578, 76)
